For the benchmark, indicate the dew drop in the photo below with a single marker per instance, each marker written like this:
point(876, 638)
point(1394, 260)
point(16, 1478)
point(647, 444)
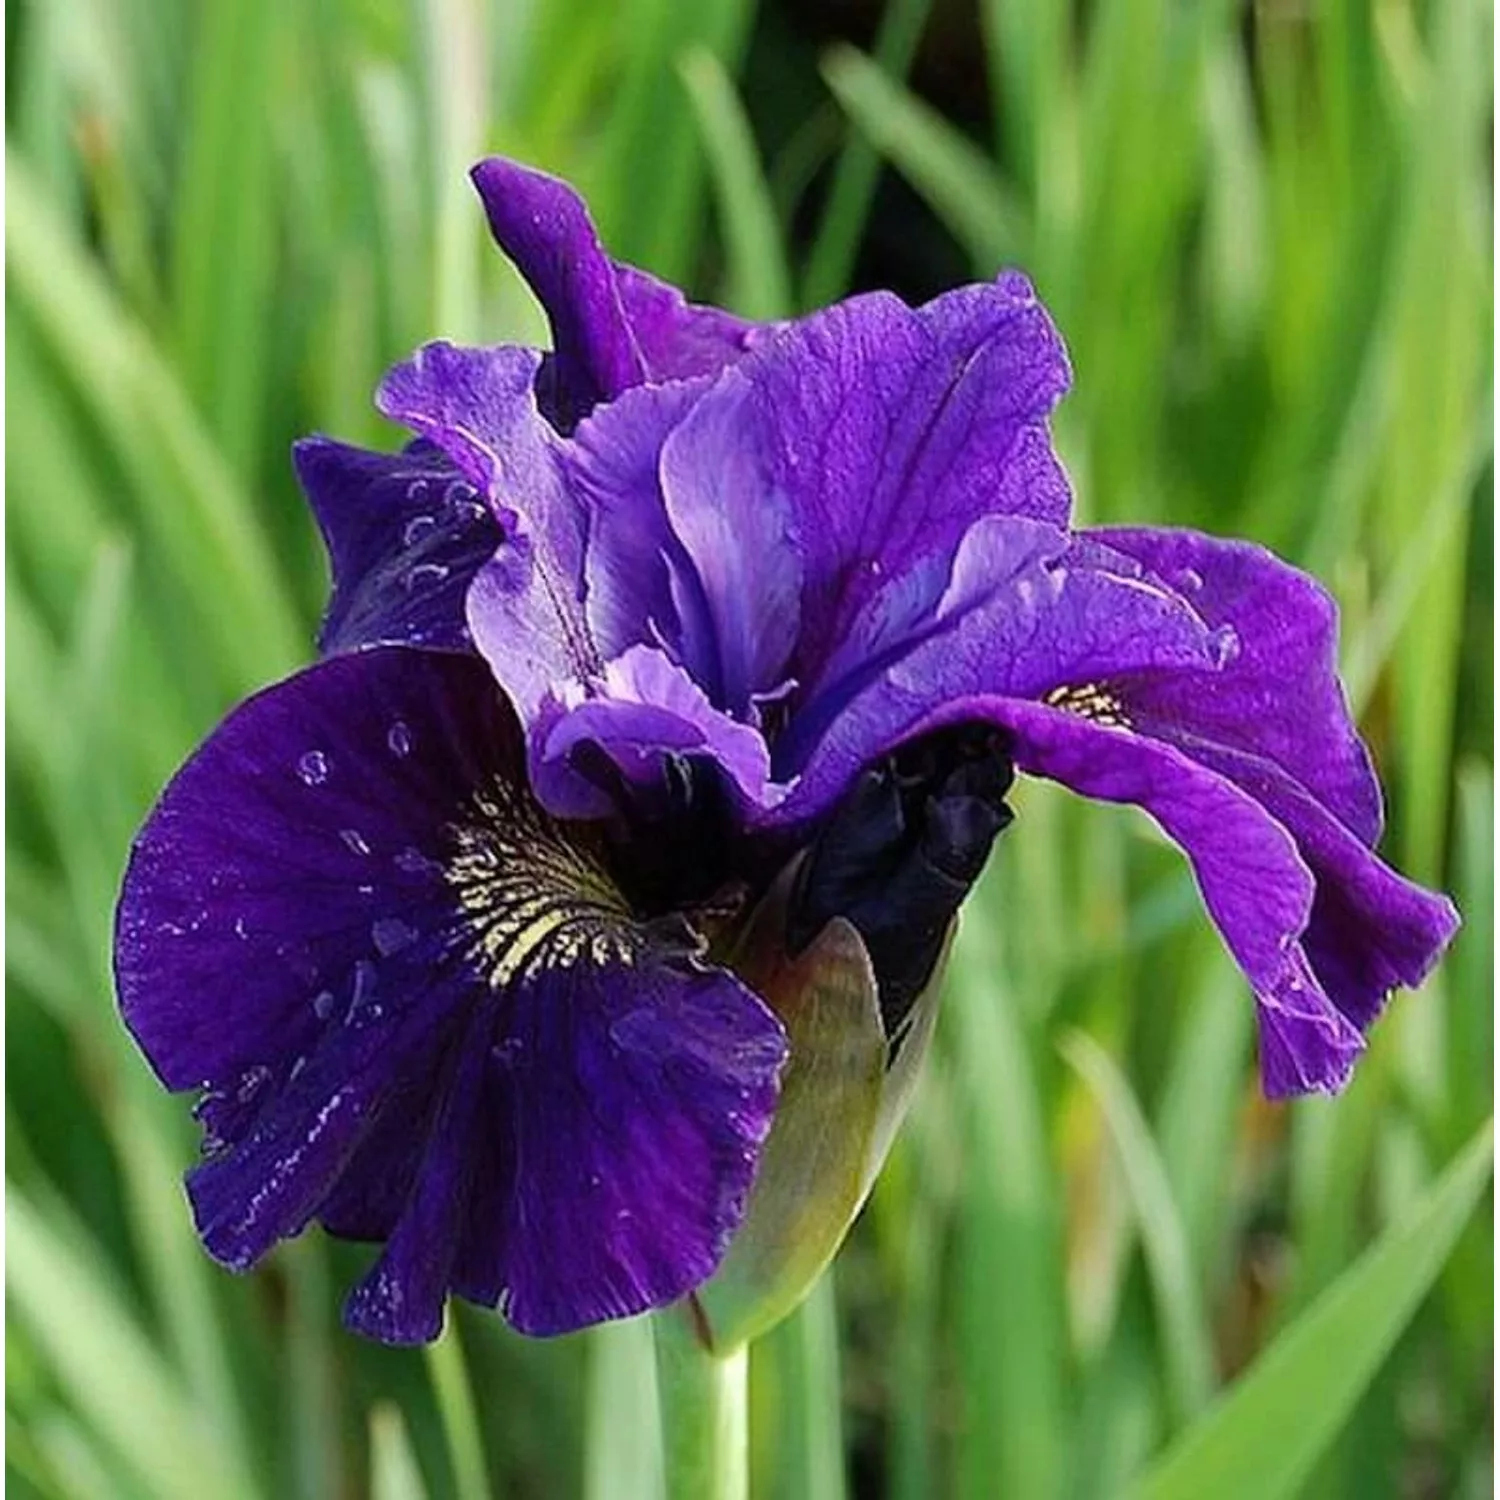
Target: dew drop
point(423, 575)
point(1225, 642)
point(398, 738)
point(413, 862)
point(354, 840)
point(252, 1081)
point(362, 1006)
point(417, 490)
point(639, 1031)
point(460, 492)
point(1189, 580)
point(297, 1067)
point(313, 767)
point(323, 1004)
point(416, 528)
point(390, 935)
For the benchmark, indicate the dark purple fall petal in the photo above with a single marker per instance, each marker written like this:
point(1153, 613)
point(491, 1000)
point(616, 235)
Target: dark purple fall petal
point(407, 953)
point(405, 533)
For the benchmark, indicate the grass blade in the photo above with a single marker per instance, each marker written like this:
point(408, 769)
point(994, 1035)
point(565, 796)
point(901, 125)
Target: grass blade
point(831, 260)
point(759, 282)
point(1187, 1349)
point(954, 176)
point(1263, 1439)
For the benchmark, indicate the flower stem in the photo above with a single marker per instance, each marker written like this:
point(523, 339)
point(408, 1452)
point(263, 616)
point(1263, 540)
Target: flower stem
point(704, 1411)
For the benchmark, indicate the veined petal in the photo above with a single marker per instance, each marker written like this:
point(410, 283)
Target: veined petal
point(746, 575)
point(1017, 612)
point(647, 712)
point(405, 533)
point(1255, 883)
point(525, 610)
point(1279, 697)
point(406, 949)
point(889, 430)
point(613, 327)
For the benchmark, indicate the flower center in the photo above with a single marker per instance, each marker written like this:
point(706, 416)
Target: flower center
point(533, 899)
point(1090, 701)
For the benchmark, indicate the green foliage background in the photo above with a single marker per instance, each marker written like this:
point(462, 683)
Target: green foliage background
point(1096, 1265)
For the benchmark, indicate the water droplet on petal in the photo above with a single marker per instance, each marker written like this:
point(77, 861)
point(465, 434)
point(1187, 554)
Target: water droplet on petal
point(398, 737)
point(414, 862)
point(459, 491)
point(640, 1031)
point(323, 1004)
point(252, 1081)
point(297, 1067)
point(354, 840)
point(417, 490)
point(416, 528)
point(424, 575)
point(313, 767)
point(1189, 580)
point(362, 1006)
point(1225, 643)
point(390, 935)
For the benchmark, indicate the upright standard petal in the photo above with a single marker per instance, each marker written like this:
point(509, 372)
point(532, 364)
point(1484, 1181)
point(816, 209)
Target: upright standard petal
point(437, 1023)
point(888, 431)
point(613, 327)
point(406, 533)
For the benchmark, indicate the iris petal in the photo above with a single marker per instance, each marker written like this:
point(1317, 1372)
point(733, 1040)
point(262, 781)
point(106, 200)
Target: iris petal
point(613, 327)
point(406, 533)
point(348, 921)
point(1279, 697)
point(889, 430)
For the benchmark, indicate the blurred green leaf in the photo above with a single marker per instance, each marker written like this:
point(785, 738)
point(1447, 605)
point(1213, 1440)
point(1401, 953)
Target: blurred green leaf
point(394, 1474)
point(959, 183)
point(830, 261)
point(1187, 1349)
point(759, 283)
point(104, 1361)
point(1264, 1437)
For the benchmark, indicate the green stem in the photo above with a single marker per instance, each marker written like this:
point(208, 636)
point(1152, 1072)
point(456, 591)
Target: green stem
point(704, 1411)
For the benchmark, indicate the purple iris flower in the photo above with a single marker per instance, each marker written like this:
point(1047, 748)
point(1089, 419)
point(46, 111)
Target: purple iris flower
point(438, 924)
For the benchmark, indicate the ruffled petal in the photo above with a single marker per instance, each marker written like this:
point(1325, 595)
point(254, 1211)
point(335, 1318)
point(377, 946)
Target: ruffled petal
point(405, 533)
point(1049, 638)
point(525, 610)
point(746, 574)
point(637, 576)
point(888, 430)
point(1280, 698)
point(613, 327)
point(647, 712)
point(1255, 883)
point(347, 921)
point(1371, 930)
point(1017, 611)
